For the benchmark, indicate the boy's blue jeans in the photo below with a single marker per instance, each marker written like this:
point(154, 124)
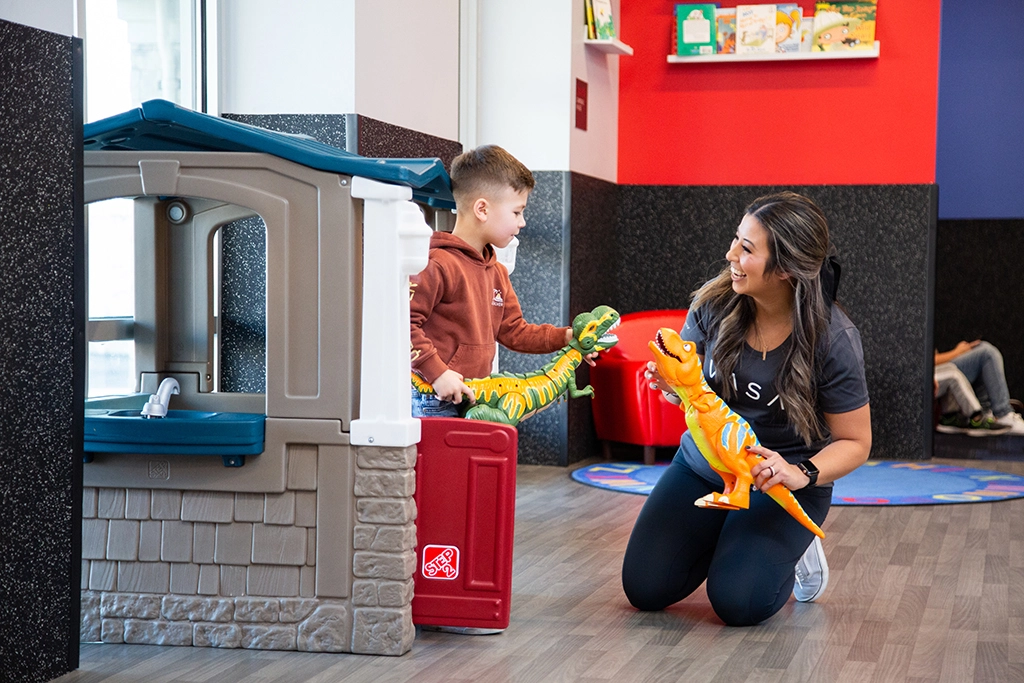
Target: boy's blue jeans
point(429, 405)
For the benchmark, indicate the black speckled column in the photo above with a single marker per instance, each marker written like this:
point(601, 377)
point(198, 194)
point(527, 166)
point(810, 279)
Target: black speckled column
point(564, 266)
point(540, 278)
point(42, 352)
point(592, 282)
point(671, 239)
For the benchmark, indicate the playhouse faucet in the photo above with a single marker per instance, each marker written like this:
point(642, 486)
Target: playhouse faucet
point(158, 402)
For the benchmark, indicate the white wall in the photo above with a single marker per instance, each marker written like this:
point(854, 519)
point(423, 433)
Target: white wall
point(407, 64)
point(595, 151)
point(525, 102)
point(398, 61)
point(56, 16)
point(287, 57)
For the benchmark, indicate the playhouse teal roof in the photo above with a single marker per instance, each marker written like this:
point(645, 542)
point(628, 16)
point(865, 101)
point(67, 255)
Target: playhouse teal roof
point(162, 126)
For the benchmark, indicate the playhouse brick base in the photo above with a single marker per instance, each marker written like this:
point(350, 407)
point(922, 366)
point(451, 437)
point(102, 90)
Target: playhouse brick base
point(244, 570)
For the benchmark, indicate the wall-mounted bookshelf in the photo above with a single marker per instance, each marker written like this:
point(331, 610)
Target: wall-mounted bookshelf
point(776, 56)
point(613, 46)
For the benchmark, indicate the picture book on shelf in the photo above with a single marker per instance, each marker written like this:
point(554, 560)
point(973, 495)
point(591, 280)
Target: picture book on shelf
point(788, 18)
point(806, 33)
point(588, 11)
point(603, 23)
point(695, 31)
point(844, 26)
point(755, 29)
point(725, 29)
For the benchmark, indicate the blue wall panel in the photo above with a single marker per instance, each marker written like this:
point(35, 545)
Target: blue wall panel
point(980, 146)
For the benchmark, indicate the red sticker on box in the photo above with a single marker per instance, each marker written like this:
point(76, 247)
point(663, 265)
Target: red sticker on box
point(440, 562)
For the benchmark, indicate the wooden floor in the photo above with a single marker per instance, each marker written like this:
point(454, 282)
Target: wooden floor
point(921, 593)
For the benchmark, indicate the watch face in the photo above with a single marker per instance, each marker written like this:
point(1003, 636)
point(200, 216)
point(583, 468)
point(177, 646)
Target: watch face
point(808, 468)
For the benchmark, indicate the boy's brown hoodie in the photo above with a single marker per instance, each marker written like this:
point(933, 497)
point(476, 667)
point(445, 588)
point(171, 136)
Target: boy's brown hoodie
point(463, 302)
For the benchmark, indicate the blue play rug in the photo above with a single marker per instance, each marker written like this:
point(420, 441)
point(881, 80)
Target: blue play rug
point(877, 482)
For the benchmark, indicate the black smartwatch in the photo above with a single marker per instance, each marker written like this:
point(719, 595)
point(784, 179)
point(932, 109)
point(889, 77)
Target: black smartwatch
point(808, 468)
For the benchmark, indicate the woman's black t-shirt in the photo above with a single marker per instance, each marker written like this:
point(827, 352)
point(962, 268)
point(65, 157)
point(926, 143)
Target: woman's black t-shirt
point(840, 378)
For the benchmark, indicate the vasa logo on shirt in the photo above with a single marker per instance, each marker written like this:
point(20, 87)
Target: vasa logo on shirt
point(753, 389)
point(497, 300)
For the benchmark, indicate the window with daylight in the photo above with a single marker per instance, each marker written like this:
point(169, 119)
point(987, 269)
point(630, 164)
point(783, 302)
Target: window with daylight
point(135, 50)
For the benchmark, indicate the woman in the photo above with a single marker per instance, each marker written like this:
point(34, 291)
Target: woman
point(795, 372)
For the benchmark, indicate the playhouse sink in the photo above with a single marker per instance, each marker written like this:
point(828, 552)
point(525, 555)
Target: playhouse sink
point(171, 414)
point(182, 432)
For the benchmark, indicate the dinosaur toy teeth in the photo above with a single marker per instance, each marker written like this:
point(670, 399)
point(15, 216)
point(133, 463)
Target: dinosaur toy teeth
point(608, 338)
point(660, 341)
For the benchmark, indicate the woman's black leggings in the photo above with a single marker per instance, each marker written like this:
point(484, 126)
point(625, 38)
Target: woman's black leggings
point(747, 556)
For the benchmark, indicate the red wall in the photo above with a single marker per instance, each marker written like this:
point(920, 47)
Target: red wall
point(837, 122)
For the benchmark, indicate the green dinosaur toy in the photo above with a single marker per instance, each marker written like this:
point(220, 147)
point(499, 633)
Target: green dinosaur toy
point(509, 397)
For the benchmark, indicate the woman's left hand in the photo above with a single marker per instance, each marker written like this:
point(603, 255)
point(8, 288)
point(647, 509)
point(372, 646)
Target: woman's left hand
point(774, 469)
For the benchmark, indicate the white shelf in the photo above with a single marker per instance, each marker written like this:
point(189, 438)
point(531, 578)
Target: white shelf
point(613, 46)
point(778, 56)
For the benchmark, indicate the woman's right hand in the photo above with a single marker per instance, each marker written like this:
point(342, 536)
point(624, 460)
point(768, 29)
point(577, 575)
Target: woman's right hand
point(654, 378)
point(657, 383)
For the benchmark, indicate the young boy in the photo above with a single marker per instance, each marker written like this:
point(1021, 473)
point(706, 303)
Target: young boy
point(463, 300)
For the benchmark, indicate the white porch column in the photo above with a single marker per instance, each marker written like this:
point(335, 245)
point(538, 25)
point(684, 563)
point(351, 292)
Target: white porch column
point(396, 241)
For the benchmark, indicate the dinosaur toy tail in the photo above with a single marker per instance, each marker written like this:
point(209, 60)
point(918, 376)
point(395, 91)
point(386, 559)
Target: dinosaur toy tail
point(784, 497)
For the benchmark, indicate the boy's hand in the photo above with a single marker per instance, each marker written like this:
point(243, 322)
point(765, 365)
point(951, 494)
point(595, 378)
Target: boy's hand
point(590, 357)
point(450, 387)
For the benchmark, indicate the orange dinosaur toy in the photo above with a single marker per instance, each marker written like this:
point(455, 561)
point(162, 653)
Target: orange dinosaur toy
point(720, 433)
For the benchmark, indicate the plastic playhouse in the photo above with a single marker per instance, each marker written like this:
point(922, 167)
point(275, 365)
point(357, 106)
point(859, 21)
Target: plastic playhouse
point(283, 519)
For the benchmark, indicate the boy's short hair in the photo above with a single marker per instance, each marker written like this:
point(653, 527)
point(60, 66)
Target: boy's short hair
point(486, 169)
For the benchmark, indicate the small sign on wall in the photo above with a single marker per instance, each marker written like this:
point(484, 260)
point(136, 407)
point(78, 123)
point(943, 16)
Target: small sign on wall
point(581, 104)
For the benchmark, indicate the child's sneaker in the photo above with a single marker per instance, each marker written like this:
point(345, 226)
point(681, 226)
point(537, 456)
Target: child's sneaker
point(986, 425)
point(953, 423)
point(1012, 423)
point(978, 425)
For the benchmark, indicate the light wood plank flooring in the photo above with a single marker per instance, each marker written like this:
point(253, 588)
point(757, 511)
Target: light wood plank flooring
point(922, 593)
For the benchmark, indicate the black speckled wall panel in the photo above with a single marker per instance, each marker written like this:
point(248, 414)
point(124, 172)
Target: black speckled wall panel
point(566, 264)
point(592, 282)
point(42, 351)
point(243, 306)
point(671, 239)
point(541, 281)
point(380, 139)
point(978, 285)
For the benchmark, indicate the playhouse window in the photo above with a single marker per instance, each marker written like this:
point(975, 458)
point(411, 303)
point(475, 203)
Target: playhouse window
point(204, 281)
point(135, 50)
point(111, 300)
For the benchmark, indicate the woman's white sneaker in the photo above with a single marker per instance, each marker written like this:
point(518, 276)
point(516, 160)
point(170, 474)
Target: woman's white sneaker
point(811, 573)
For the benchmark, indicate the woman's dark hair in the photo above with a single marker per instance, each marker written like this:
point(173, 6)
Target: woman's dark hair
point(798, 246)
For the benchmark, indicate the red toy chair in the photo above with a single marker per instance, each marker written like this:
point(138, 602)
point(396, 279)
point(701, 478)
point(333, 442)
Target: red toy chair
point(625, 408)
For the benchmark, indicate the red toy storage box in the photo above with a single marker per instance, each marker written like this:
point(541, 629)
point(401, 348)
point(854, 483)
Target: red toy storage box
point(465, 498)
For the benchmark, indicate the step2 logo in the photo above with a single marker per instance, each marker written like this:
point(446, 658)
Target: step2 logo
point(440, 562)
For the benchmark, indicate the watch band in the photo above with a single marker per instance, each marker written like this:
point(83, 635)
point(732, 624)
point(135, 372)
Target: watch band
point(808, 468)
